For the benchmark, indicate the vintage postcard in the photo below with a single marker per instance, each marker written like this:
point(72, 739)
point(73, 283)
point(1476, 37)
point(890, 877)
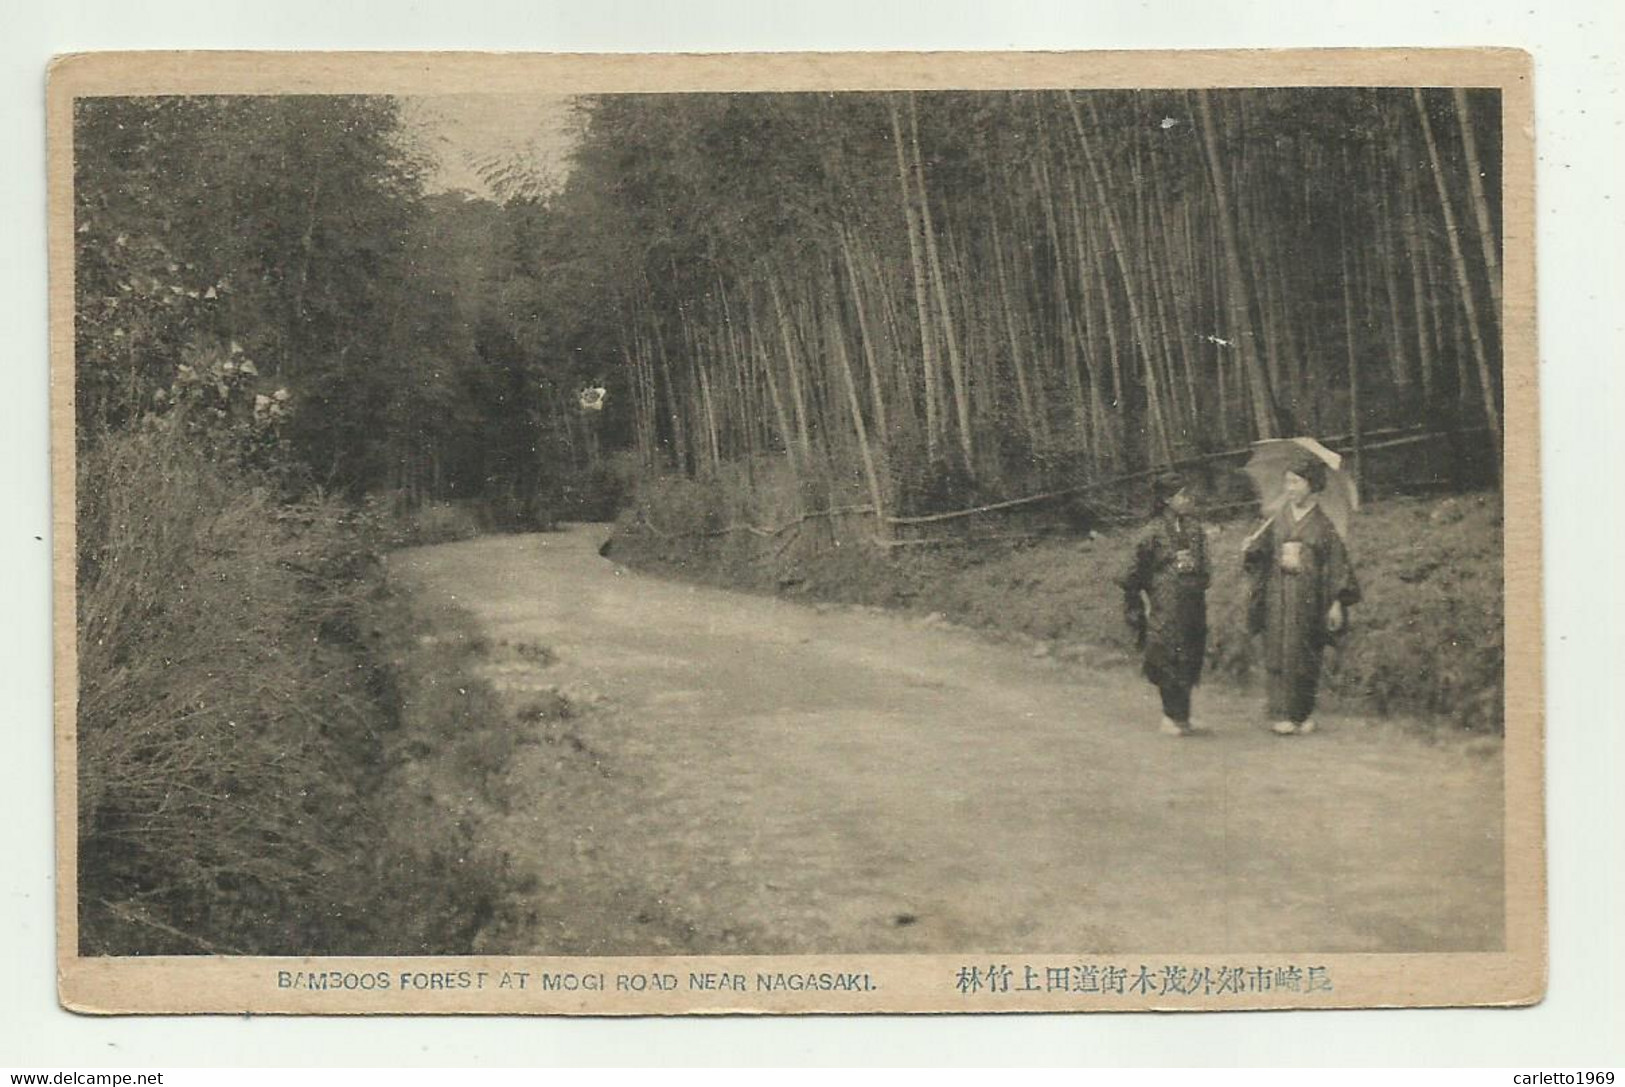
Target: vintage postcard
point(793, 533)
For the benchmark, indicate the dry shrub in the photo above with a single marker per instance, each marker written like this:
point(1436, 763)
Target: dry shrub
point(208, 700)
point(703, 526)
point(596, 491)
point(442, 522)
point(232, 717)
point(393, 520)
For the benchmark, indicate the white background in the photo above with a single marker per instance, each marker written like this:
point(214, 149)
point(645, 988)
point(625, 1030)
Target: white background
point(1581, 131)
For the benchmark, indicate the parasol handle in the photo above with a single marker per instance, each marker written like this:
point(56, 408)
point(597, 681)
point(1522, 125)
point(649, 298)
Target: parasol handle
point(1256, 533)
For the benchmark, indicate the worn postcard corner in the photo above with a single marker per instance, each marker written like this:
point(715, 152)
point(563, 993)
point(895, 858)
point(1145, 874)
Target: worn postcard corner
point(796, 533)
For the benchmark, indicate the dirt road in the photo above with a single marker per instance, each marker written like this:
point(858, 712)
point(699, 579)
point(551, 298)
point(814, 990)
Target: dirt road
point(736, 774)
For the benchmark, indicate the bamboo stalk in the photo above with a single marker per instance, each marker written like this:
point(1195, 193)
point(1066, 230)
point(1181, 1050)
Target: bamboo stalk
point(1355, 421)
point(797, 399)
point(858, 425)
point(928, 360)
point(1068, 357)
point(786, 434)
point(1018, 366)
point(1263, 403)
point(1399, 364)
point(1182, 332)
point(712, 443)
point(869, 356)
point(680, 446)
point(1417, 259)
point(1077, 321)
point(1163, 447)
point(1463, 283)
point(956, 362)
point(1481, 208)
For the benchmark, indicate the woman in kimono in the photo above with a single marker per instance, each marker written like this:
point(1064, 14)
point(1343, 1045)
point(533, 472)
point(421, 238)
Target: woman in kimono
point(1303, 584)
point(1165, 601)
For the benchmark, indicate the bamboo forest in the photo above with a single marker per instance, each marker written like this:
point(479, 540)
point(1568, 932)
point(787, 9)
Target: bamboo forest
point(908, 300)
point(1001, 294)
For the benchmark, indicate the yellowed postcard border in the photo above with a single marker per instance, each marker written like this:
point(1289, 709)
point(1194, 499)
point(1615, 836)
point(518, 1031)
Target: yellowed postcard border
point(1044, 982)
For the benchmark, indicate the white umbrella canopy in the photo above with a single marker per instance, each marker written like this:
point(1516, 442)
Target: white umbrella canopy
point(1273, 456)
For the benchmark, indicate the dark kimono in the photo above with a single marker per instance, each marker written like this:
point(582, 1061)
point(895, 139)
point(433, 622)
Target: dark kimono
point(1299, 569)
point(1170, 569)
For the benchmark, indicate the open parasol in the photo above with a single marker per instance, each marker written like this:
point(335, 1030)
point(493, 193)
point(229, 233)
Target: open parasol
point(1273, 456)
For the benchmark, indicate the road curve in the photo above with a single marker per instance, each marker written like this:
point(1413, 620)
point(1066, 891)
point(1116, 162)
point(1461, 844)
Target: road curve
point(756, 775)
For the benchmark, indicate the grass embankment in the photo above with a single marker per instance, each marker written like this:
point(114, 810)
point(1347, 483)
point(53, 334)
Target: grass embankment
point(1426, 643)
point(261, 716)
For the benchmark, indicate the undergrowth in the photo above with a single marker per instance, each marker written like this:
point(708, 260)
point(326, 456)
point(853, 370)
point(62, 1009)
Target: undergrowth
point(254, 713)
point(594, 493)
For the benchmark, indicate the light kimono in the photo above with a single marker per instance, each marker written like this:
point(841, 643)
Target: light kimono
point(1300, 569)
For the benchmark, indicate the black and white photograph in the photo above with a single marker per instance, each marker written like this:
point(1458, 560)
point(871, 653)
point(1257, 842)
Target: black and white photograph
point(730, 542)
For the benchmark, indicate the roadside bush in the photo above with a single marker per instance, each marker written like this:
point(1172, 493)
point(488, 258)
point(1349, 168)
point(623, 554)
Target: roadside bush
point(441, 522)
point(390, 520)
point(234, 718)
point(597, 492)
